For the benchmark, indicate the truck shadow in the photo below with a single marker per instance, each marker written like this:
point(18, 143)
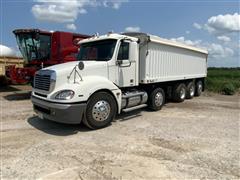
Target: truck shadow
point(136, 113)
point(59, 129)
point(54, 128)
point(14, 88)
point(17, 96)
point(4, 88)
point(129, 115)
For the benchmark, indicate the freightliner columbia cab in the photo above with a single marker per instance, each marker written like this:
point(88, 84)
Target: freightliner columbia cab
point(107, 80)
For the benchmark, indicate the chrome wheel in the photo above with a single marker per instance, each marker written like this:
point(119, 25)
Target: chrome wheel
point(182, 93)
point(158, 99)
point(192, 91)
point(101, 111)
point(199, 87)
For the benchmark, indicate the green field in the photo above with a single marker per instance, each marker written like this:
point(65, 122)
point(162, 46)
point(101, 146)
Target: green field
point(223, 80)
point(219, 80)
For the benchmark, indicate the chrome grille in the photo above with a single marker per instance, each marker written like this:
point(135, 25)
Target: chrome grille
point(42, 82)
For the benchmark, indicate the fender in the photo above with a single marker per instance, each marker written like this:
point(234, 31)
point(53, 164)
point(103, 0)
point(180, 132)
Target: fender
point(92, 84)
point(88, 86)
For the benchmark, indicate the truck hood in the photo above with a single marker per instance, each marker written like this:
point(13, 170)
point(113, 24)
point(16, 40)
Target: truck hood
point(88, 65)
point(91, 68)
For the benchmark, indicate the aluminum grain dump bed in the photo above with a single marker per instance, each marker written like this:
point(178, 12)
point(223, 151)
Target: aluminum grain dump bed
point(163, 60)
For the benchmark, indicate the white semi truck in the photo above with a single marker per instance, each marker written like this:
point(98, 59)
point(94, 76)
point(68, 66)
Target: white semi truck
point(118, 73)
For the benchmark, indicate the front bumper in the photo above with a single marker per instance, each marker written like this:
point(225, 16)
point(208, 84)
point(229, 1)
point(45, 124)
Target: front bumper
point(64, 113)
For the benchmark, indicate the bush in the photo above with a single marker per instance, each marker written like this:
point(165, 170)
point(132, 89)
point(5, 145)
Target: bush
point(223, 80)
point(228, 89)
point(3, 81)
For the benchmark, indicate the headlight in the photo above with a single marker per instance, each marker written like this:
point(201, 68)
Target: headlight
point(65, 95)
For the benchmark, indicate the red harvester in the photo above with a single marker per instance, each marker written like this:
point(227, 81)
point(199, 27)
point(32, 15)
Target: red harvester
point(41, 49)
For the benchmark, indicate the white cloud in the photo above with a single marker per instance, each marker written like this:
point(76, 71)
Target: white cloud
point(6, 51)
point(224, 38)
point(187, 42)
point(132, 29)
point(216, 51)
point(82, 11)
point(197, 26)
point(58, 11)
point(187, 32)
point(221, 24)
point(115, 4)
point(225, 28)
point(63, 11)
point(71, 27)
point(224, 23)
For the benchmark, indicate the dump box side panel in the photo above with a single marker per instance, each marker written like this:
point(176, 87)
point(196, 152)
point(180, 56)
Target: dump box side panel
point(159, 63)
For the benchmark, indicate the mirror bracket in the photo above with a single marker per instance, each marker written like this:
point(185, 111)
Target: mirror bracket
point(119, 62)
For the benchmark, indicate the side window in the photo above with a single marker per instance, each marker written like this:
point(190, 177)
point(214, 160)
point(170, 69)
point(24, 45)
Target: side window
point(123, 51)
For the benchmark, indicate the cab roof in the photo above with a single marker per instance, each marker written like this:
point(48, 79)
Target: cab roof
point(108, 36)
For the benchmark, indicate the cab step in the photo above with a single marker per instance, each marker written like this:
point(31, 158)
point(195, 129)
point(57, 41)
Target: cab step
point(134, 108)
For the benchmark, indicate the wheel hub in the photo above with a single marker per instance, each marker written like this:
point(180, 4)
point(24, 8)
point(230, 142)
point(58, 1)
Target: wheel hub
point(158, 99)
point(101, 111)
point(192, 91)
point(182, 93)
point(200, 88)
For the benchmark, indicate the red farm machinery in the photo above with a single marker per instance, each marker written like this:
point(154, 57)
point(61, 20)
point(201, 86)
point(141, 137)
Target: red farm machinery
point(41, 49)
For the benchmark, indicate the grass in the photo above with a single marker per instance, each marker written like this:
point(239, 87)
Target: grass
point(223, 80)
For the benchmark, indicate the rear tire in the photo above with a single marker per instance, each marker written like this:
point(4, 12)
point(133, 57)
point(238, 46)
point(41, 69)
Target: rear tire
point(101, 110)
point(190, 90)
point(156, 99)
point(179, 92)
point(199, 88)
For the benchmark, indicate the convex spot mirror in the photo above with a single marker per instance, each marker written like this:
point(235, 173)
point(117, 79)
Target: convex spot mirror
point(80, 65)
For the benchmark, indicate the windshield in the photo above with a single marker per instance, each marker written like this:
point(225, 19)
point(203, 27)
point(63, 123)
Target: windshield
point(34, 47)
point(99, 50)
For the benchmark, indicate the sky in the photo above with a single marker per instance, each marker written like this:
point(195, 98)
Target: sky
point(210, 24)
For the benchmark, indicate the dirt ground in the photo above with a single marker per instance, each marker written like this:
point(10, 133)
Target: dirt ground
point(198, 138)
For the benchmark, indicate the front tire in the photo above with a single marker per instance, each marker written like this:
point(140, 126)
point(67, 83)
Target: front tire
point(101, 110)
point(156, 99)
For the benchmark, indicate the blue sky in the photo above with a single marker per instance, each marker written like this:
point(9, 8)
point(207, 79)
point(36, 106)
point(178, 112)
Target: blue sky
point(214, 25)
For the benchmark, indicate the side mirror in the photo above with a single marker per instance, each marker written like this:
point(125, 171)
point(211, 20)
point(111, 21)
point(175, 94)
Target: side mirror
point(80, 65)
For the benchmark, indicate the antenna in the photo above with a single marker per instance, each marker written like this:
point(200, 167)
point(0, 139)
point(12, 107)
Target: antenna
point(110, 32)
point(96, 34)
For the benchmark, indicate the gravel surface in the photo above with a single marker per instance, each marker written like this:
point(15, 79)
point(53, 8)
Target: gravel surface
point(198, 138)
